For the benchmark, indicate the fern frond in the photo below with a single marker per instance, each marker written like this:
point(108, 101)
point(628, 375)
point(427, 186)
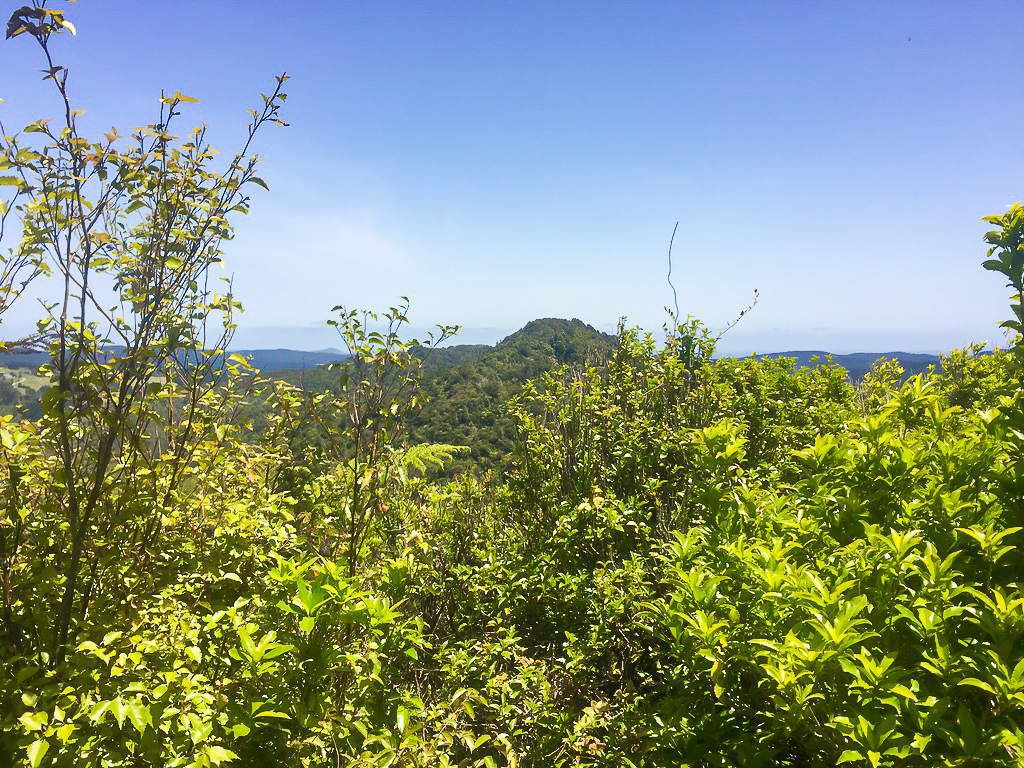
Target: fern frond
point(421, 456)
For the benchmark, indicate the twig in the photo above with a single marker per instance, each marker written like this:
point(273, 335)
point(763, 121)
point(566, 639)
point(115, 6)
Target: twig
point(675, 298)
point(738, 317)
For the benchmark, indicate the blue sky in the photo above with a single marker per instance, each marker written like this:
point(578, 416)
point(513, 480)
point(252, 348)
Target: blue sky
point(499, 162)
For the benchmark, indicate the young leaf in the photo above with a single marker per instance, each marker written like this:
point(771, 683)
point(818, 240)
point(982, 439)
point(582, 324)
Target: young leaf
point(220, 755)
point(36, 752)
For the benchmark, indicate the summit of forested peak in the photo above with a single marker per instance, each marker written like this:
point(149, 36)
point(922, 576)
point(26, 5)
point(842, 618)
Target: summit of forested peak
point(564, 341)
point(547, 327)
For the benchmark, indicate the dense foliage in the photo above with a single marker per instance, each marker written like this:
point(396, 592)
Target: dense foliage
point(466, 390)
point(688, 561)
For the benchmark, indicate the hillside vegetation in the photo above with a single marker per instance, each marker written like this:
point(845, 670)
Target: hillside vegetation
point(685, 561)
point(467, 388)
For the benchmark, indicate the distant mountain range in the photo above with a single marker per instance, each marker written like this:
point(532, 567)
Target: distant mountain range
point(268, 360)
point(856, 364)
point(263, 359)
point(289, 359)
point(859, 363)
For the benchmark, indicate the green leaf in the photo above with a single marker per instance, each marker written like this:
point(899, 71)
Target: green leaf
point(277, 649)
point(272, 713)
point(99, 710)
point(260, 182)
point(120, 709)
point(975, 682)
point(111, 637)
point(36, 751)
point(246, 640)
point(140, 715)
point(10, 181)
point(34, 721)
point(220, 755)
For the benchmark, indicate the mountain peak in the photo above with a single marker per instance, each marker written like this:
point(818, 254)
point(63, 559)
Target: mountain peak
point(566, 341)
point(549, 327)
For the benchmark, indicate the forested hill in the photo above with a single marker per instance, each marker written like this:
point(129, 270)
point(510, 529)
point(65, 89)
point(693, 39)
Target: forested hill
point(469, 386)
point(467, 400)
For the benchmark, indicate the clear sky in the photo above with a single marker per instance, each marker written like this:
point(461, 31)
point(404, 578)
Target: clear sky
point(502, 161)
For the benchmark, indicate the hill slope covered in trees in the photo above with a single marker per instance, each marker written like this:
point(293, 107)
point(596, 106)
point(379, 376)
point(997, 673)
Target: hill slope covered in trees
point(466, 390)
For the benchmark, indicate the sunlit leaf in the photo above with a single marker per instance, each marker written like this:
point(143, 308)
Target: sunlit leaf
point(36, 752)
